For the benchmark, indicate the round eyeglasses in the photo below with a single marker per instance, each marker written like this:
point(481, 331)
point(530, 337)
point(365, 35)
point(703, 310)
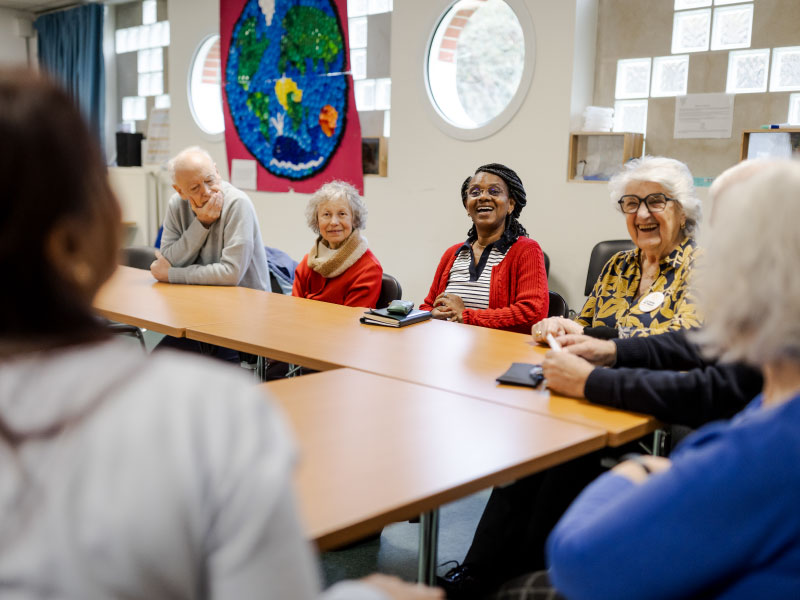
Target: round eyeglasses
point(629, 203)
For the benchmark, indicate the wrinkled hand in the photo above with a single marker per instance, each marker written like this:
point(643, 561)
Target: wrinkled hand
point(160, 267)
point(210, 211)
point(597, 352)
point(448, 306)
point(566, 373)
point(555, 325)
point(630, 469)
point(397, 589)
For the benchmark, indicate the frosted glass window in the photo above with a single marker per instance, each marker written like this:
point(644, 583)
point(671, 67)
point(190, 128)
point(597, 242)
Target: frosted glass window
point(383, 94)
point(747, 71)
point(121, 40)
point(163, 101)
point(721, 2)
point(690, 31)
point(358, 63)
point(732, 27)
point(149, 12)
point(794, 110)
point(150, 60)
point(684, 4)
point(633, 78)
point(785, 75)
point(670, 75)
point(365, 94)
point(358, 32)
point(151, 84)
point(134, 108)
point(357, 8)
point(379, 6)
point(387, 123)
point(630, 115)
point(205, 94)
point(161, 33)
point(475, 62)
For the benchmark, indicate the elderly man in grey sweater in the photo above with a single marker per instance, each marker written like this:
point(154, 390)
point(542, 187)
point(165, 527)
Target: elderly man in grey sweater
point(211, 237)
point(211, 234)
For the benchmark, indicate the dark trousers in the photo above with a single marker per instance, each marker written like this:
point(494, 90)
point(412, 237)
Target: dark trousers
point(187, 345)
point(510, 538)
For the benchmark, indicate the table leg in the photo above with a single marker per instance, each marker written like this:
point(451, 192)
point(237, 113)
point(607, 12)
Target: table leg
point(428, 541)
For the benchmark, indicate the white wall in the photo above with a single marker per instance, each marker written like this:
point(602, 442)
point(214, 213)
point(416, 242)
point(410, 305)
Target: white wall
point(416, 212)
point(13, 48)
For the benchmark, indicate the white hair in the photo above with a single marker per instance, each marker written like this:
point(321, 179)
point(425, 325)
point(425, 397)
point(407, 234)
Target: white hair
point(673, 175)
point(749, 281)
point(331, 191)
point(176, 161)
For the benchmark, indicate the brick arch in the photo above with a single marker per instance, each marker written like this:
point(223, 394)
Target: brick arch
point(459, 20)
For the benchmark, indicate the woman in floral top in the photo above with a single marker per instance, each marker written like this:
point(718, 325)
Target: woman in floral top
point(644, 291)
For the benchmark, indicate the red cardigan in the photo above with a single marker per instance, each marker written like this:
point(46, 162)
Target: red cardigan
point(359, 285)
point(518, 294)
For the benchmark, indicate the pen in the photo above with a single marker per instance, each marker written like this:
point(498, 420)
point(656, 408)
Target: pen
point(554, 345)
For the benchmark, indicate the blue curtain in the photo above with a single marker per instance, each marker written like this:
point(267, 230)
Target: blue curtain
point(71, 49)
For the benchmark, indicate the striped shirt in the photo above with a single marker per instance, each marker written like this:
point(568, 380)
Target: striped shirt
point(473, 282)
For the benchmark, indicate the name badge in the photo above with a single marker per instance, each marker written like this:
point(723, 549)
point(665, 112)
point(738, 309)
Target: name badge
point(651, 302)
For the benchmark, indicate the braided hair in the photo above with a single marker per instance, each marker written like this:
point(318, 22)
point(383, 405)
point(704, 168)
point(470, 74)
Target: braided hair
point(516, 190)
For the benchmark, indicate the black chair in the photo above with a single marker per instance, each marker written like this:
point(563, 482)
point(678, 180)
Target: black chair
point(558, 306)
point(390, 290)
point(601, 252)
point(138, 257)
point(546, 264)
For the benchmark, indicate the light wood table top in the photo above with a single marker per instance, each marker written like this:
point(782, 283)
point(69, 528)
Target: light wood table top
point(375, 450)
point(449, 356)
point(133, 296)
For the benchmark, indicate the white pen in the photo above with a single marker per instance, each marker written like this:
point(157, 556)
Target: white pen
point(554, 345)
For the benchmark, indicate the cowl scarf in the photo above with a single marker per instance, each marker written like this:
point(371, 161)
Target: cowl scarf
point(339, 260)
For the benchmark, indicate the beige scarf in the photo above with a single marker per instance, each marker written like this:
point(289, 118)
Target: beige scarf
point(336, 262)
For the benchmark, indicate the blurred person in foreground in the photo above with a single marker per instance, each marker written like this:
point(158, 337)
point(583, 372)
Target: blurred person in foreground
point(123, 475)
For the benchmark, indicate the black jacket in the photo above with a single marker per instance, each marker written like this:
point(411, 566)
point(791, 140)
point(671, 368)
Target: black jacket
point(666, 376)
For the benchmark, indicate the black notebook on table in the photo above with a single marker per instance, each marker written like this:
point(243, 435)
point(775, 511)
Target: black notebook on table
point(380, 316)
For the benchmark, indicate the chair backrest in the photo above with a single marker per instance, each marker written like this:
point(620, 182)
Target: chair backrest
point(558, 306)
point(390, 290)
point(601, 252)
point(138, 257)
point(546, 264)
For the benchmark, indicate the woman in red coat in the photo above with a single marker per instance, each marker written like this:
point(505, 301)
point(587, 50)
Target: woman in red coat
point(340, 268)
point(496, 278)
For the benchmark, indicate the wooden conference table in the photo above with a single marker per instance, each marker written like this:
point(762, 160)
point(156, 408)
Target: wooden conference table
point(375, 450)
point(435, 369)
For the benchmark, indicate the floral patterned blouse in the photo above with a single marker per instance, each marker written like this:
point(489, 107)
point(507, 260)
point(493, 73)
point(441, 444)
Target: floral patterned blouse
point(611, 303)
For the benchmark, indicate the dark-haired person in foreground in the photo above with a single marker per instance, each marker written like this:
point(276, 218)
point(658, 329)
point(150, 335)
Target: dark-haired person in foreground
point(496, 278)
point(123, 475)
point(720, 518)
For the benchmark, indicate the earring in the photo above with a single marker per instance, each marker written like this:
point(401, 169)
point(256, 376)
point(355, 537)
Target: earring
point(683, 225)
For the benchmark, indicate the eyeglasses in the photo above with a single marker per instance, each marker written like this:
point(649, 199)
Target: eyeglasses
point(629, 203)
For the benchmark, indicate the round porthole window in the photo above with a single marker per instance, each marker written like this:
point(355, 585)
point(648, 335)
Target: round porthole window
point(479, 65)
point(205, 95)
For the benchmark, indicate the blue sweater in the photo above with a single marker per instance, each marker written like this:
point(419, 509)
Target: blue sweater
point(722, 522)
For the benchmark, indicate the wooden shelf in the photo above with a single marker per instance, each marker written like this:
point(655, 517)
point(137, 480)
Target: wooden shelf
point(792, 149)
point(601, 152)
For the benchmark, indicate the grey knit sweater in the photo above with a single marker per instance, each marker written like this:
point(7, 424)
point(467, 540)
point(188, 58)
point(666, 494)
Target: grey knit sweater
point(229, 252)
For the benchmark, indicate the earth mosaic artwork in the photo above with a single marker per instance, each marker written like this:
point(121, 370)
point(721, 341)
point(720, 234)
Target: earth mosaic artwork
point(285, 84)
